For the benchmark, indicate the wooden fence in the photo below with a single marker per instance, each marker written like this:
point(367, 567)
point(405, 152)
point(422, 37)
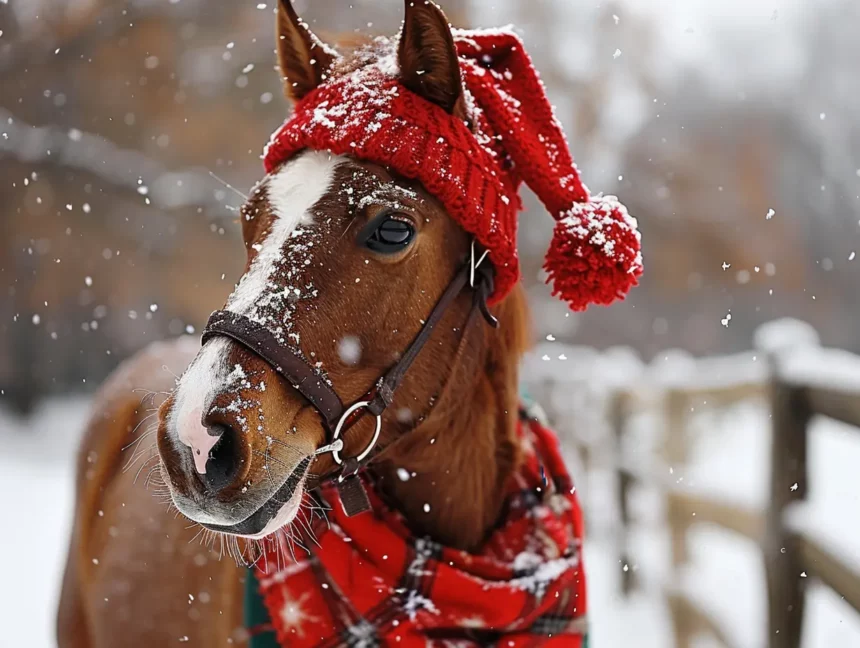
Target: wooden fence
point(790, 556)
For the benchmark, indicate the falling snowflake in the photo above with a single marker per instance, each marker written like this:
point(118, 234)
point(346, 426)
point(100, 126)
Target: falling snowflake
point(349, 350)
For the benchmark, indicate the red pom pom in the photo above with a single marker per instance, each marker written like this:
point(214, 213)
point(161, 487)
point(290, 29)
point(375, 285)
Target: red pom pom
point(595, 254)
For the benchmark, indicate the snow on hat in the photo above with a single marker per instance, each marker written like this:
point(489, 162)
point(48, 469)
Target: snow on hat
point(476, 169)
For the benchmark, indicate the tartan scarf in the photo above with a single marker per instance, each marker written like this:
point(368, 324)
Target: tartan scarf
point(368, 582)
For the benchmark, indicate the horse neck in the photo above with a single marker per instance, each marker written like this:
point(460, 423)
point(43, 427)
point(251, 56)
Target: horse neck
point(459, 458)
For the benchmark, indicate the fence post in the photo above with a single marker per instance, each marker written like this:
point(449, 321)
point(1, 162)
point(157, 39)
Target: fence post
point(682, 623)
point(675, 452)
point(790, 414)
point(618, 416)
point(676, 448)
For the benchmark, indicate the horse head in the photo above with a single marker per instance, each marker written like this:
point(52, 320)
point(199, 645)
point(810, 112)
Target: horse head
point(345, 262)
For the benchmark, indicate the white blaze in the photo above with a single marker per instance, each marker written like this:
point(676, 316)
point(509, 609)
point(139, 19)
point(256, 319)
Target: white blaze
point(292, 193)
point(196, 390)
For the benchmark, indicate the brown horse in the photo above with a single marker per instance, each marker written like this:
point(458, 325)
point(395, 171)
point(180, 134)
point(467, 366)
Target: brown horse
point(355, 287)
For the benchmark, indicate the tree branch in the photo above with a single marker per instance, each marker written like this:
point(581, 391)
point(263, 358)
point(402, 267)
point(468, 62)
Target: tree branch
point(118, 167)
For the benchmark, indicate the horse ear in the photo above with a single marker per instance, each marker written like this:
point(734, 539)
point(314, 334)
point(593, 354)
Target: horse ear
point(304, 59)
point(428, 58)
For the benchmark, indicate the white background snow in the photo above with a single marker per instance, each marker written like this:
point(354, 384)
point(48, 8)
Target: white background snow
point(729, 460)
point(740, 47)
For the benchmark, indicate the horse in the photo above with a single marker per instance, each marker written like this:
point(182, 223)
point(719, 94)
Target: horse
point(359, 288)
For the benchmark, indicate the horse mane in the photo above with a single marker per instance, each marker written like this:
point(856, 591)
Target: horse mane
point(463, 456)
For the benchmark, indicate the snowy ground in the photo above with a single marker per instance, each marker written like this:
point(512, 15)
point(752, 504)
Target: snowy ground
point(726, 574)
point(729, 461)
point(36, 459)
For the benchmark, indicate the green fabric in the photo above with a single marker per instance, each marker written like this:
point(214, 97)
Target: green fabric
point(256, 613)
point(525, 398)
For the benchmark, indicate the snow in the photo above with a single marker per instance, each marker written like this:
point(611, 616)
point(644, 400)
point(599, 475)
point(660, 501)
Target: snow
point(593, 221)
point(800, 360)
point(37, 454)
point(615, 621)
point(729, 449)
point(786, 333)
point(830, 368)
point(728, 460)
point(675, 368)
point(292, 191)
point(732, 465)
point(832, 513)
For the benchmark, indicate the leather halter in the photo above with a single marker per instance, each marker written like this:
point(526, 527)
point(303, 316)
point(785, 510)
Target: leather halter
point(310, 383)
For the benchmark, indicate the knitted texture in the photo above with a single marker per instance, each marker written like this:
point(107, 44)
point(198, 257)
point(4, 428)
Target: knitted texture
point(475, 169)
point(367, 581)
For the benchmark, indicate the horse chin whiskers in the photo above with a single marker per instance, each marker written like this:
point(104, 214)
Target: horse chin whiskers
point(272, 550)
point(288, 509)
point(267, 506)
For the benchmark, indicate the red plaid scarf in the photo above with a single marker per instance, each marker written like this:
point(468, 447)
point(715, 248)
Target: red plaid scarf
point(370, 583)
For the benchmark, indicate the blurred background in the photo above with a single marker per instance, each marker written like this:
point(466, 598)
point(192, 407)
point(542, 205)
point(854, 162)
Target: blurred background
point(729, 129)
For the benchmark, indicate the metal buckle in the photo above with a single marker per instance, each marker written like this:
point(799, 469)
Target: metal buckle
point(473, 265)
point(331, 447)
point(335, 448)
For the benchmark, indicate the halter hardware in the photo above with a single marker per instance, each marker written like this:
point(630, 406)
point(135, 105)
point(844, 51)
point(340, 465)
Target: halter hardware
point(473, 265)
point(335, 451)
point(336, 445)
point(309, 382)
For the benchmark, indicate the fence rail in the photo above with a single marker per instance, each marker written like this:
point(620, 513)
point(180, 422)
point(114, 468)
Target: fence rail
point(823, 565)
point(691, 619)
point(790, 557)
point(836, 404)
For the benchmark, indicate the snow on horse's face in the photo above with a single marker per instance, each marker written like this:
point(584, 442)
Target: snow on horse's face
point(345, 260)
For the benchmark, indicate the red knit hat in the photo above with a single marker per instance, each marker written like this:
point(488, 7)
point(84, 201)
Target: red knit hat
point(594, 256)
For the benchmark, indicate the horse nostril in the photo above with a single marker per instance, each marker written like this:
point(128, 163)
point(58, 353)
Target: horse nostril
point(224, 459)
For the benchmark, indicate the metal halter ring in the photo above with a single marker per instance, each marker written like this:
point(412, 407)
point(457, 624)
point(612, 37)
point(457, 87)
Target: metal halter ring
point(335, 451)
point(474, 265)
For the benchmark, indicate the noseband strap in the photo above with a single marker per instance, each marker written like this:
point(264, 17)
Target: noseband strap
point(310, 383)
point(284, 359)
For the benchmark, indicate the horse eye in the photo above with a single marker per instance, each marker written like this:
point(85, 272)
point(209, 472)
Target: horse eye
point(391, 236)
